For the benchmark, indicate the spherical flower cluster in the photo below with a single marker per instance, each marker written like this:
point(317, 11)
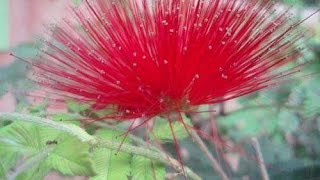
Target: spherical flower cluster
point(143, 58)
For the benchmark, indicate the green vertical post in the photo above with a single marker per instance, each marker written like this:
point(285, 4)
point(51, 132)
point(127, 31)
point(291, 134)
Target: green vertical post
point(4, 24)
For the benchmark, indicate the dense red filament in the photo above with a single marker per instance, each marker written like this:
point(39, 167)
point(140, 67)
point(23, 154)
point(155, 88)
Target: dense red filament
point(143, 58)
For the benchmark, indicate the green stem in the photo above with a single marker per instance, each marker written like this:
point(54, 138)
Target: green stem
point(68, 128)
point(95, 142)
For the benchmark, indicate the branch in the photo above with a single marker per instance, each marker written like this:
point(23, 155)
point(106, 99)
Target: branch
point(95, 142)
point(68, 128)
point(262, 167)
point(214, 163)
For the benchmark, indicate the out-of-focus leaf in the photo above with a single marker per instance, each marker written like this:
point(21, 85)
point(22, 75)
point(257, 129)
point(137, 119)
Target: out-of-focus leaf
point(276, 96)
point(288, 120)
point(14, 75)
point(295, 169)
point(293, 2)
point(77, 107)
point(38, 109)
point(77, 2)
point(311, 104)
point(297, 96)
point(273, 151)
point(249, 122)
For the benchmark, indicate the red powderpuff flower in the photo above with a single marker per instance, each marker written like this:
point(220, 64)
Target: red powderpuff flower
point(144, 58)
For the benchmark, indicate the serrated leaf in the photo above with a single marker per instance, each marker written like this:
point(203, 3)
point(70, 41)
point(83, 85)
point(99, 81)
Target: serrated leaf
point(20, 137)
point(101, 159)
point(37, 169)
point(145, 169)
point(36, 172)
point(2, 171)
point(109, 165)
point(7, 161)
point(71, 129)
point(71, 157)
point(163, 132)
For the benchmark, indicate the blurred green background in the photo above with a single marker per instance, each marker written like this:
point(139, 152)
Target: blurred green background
point(4, 22)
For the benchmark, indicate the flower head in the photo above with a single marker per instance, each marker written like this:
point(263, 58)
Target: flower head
point(144, 58)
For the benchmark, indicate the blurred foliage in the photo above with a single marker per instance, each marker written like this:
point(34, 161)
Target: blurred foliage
point(286, 120)
point(13, 77)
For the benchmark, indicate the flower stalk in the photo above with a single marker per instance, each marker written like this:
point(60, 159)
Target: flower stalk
point(214, 163)
point(263, 170)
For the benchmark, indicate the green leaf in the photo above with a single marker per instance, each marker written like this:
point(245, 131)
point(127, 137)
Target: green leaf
point(38, 171)
point(7, 161)
point(108, 164)
point(40, 108)
point(21, 138)
point(71, 129)
point(249, 122)
point(77, 2)
point(311, 104)
point(101, 159)
point(71, 157)
point(145, 169)
point(77, 107)
point(288, 120)
point(163, 132)
point(32, 168)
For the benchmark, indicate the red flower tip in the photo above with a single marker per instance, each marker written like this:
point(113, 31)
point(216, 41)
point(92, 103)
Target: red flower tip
point(146, 58)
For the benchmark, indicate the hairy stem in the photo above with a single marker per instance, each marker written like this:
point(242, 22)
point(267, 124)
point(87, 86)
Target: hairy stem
point(68, 128)
point(214, 163)
point(262, 167)
point(95, 142)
